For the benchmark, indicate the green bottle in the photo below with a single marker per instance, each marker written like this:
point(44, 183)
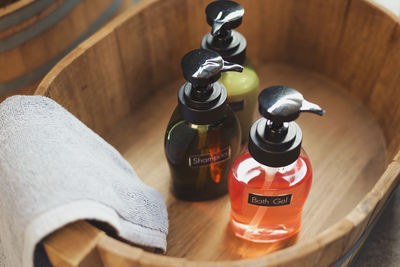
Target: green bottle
point(242, 88)
point(203, 135)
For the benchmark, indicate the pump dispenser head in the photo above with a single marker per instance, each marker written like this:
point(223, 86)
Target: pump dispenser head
point(223, 16)
point(275, 140)
point(203, 67)
point(202, 100)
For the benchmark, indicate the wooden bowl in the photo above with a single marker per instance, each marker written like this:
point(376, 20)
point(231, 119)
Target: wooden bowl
point(35, 35)
point(341, 54)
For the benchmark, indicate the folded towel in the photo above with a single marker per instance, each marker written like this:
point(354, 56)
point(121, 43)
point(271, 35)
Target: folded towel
point(54, 170)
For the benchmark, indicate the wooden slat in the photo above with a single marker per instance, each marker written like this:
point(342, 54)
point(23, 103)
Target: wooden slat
point(363, 48)
point(104, 106)
point(39, 50)
point(266, 27)
point(142, 42)
point(112, 253)
point(14, 7)
point(315, 31)
point(74, 246)
point(385, 95)
point(29, 21)
point(136, 60)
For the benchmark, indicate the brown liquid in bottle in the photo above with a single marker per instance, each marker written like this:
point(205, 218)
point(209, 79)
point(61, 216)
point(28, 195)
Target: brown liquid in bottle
point(215, 145)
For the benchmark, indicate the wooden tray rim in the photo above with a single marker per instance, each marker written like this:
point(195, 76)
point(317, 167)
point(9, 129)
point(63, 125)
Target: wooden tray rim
point(14, 7)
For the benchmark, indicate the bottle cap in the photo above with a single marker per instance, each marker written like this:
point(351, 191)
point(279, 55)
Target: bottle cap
point(223, 16)
point(202, 100)
point(275, 140)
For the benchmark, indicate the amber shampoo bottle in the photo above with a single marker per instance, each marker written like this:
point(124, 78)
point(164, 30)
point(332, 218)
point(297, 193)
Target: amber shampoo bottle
point(203, 134)
point(269, 183)
point(243, 88)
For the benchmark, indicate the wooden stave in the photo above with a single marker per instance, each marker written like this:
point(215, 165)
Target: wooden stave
point(24, 83)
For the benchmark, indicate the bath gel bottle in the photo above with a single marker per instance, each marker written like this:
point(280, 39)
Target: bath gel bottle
point(242, 88)
point(203, 134)
point(269, 183)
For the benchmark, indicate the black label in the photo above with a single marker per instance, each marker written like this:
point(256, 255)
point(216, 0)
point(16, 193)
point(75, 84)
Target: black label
point(237, 105)
point(211, 158)
point(260, 200)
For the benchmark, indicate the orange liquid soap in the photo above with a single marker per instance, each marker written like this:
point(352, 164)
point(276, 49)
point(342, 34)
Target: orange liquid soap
point(267, 202)
point(270, 181)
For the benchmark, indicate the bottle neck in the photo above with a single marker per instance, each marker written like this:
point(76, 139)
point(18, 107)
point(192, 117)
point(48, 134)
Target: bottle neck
point(283, 169)
point(197, 107)
point(274, 153)
point(222, 40)
point(201, 94)
point(232, 46)
point(275, 131)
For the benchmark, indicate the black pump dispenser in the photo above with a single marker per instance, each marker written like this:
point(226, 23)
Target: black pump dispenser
point(275, 140)
point(223, 16)
point(202, 100)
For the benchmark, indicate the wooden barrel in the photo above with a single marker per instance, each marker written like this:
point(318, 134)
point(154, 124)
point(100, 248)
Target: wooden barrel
point(36, 34)
point(341, 54)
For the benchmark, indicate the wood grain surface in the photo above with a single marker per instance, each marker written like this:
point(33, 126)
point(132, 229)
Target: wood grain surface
point(123, 81)
point(37, 51)
point(333, 143)
point(337, 164)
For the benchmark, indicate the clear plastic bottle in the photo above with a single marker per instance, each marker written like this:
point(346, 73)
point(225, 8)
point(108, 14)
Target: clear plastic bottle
point(269, 183)
point(267, 202)
point(200, 156)
point(203, 135)
point(242, 88)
